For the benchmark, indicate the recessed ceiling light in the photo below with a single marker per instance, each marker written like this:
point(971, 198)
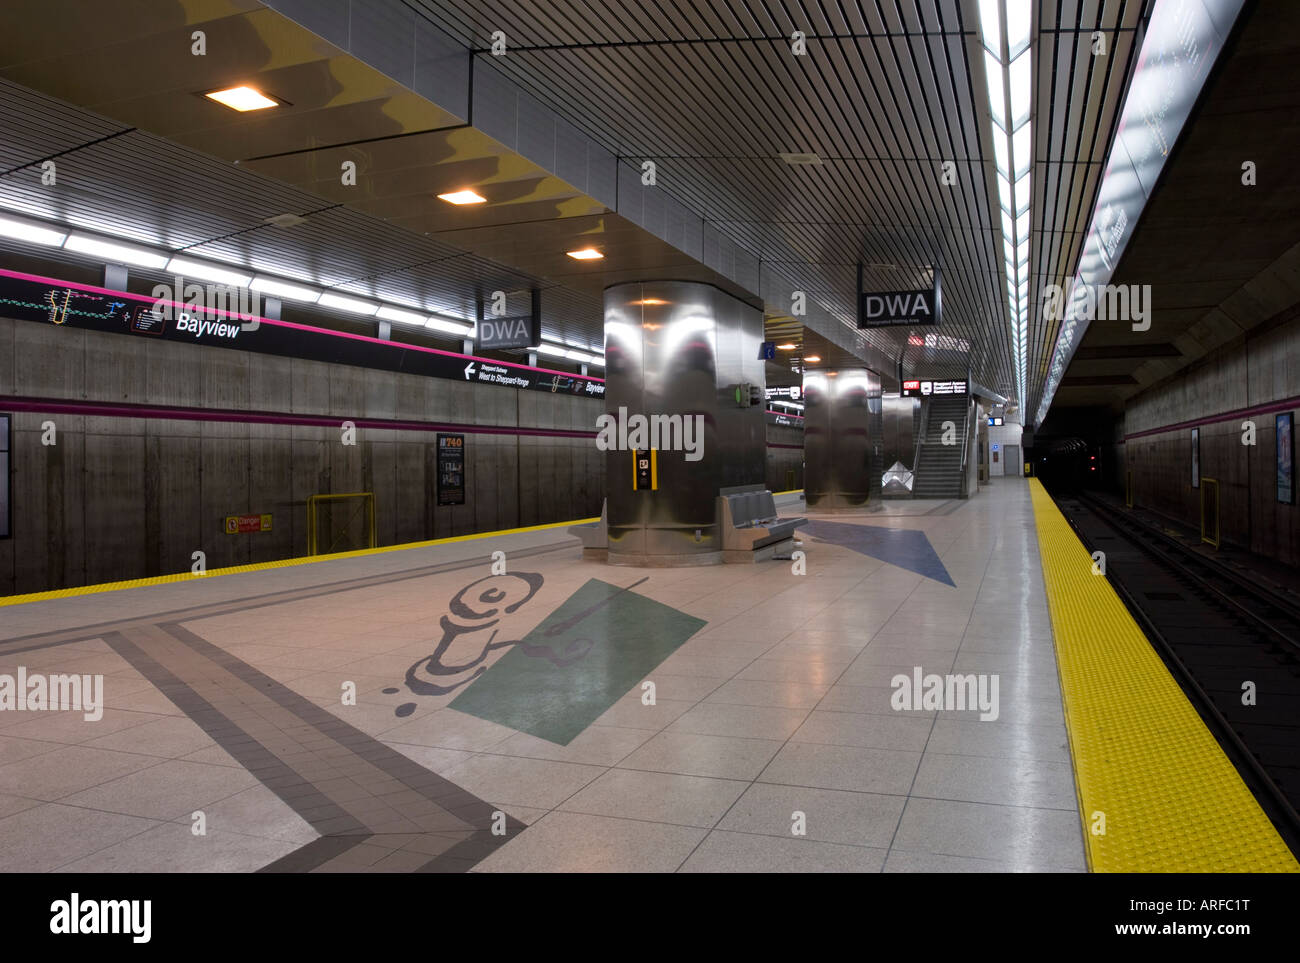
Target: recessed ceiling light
point(242, 98)
point(812, 358)
point(462, 197)
point(586, 254)
point(786, 347)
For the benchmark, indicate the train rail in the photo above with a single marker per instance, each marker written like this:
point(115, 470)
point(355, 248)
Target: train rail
point(1233, 645)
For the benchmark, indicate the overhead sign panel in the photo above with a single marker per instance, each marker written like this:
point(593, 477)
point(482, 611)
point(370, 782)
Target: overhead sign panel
point(31, 298)
point(893, 309)
point(495, 334)
point(924, 389)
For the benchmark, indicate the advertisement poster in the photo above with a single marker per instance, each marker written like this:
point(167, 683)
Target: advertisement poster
point(1285, 458)
point(451, 469)
point(6, 514)
point(1196, 458)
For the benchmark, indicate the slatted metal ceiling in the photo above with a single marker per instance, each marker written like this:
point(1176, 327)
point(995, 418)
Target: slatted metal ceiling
point(712, 93)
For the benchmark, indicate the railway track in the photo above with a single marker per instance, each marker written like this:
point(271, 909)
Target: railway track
point(1221, 635)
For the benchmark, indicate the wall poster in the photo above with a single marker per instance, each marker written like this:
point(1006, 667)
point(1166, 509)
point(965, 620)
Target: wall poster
point(1285, 435)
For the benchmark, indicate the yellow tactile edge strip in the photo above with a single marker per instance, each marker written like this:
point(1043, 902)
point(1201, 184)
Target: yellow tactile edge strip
point(263, 566)
point(1143, 759)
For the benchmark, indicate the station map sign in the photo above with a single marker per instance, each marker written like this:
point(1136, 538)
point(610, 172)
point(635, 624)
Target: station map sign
point(31, 298)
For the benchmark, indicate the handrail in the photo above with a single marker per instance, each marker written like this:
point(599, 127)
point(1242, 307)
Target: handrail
point(965, 445)
point(920, 437)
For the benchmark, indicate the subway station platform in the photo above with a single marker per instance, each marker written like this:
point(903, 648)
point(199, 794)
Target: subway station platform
point(501, 722)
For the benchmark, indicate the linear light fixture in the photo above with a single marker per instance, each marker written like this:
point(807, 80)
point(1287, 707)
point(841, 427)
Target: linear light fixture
point(585, 254)
point(283, 289)
point(350, 305)
point(1006, 28)
point(31, 232)
point(401, 317)
point(242, 98)
point(116, 253)
point(208, 272)
point(450, 327)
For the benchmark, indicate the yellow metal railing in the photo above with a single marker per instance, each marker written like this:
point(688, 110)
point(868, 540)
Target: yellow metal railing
point(313, 502)
point(1208, 486)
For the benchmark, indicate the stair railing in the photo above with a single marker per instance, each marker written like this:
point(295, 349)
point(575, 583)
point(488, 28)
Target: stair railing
point(965, 447)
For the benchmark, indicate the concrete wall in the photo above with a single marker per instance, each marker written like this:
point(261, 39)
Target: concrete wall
point(1261, 370)
point(121, 497)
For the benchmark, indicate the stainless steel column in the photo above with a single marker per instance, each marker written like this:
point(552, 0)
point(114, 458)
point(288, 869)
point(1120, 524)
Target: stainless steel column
point(680, 348)
point(843, 456)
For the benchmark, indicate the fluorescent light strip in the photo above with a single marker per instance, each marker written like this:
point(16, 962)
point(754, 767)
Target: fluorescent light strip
point(115, 253)
point(283, 289)
point(400, 316)
point(31, 231)
point(450, 327)
point(351, 305)
point(208, 272)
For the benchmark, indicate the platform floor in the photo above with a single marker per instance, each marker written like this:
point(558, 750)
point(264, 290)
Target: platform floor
point(500, 722)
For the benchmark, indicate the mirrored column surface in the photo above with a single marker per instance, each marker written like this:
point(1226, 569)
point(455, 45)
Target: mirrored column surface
point(843, 440)
point(679, 355)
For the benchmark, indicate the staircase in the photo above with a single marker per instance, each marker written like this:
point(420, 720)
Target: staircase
point(938, 472)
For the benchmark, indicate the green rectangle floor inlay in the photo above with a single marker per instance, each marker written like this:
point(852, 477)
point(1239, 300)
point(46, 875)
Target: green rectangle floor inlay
point(582, 659)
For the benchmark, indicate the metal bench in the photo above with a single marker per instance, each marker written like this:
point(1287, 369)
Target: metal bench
point(749, 523)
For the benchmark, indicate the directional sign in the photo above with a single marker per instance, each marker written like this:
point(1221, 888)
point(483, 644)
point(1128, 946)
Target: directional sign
point(887, 309)
point(517, 332)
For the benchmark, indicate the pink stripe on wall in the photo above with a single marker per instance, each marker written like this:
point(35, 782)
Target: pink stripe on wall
point(1272, 407)
point(114, 409)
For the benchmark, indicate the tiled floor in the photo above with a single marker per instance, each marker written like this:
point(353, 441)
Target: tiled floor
point(226, 702)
